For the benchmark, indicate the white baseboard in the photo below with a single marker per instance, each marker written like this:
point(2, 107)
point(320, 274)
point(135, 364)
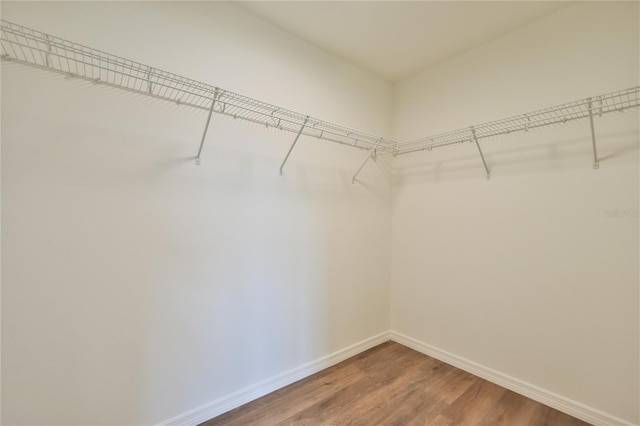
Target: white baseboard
point(236, 399)
point(560, 403)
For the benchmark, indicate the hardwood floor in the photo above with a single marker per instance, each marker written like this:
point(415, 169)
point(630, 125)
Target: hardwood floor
point(394, 385)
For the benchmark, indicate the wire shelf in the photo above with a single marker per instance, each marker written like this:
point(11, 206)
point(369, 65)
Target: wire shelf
point(28, 46)
point(596, 106)
point(31, 47)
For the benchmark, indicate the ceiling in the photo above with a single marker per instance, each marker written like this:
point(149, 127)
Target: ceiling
point(397, 39)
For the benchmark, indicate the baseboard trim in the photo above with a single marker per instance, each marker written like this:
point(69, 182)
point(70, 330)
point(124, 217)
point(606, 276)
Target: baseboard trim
point(560, 403)
point(248, 394)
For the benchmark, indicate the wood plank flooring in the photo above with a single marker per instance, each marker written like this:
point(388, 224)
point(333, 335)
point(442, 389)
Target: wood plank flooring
point(394, 385)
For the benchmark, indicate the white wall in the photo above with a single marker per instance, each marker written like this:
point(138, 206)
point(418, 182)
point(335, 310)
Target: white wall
point(525, 273)
point(136, 285)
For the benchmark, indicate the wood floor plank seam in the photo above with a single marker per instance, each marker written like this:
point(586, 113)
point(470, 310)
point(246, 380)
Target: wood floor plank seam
point(392, 384)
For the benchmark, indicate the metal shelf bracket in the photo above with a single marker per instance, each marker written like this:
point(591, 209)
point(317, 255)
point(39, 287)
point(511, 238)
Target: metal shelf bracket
point(371, 153)
point(596, 162)
point(484, 163)
point(206, 126)
point(293, 144)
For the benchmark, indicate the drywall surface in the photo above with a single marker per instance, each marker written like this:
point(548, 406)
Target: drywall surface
point(533, 273)
point(136, 285)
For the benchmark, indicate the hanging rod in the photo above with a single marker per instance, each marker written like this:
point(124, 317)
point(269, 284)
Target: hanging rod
point(585, 108)
point(28, 46)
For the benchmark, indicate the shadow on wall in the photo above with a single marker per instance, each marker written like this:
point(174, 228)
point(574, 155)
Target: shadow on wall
point(241, 293)
point(159, 283)
point(516, 156)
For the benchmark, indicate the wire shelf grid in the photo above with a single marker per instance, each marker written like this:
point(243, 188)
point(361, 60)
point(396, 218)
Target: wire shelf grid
point(596, 106)
point(32, 47)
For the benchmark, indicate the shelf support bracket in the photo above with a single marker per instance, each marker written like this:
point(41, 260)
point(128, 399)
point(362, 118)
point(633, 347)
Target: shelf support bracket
point(206, 126)
point(596, 162)
point(484, 163)
point(371, 152)
point(294, 144)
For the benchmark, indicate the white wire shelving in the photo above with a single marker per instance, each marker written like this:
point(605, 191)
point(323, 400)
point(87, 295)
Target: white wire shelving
point(598, 105)
point(584, 108)
point(28, 46)
point(34, 48)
